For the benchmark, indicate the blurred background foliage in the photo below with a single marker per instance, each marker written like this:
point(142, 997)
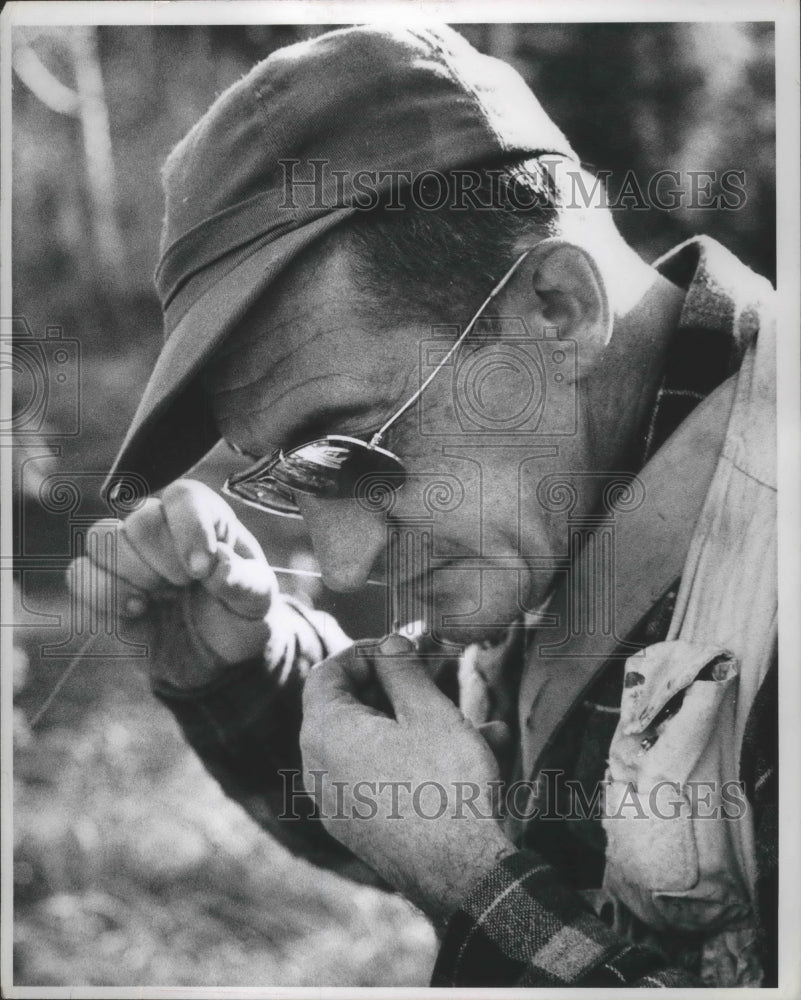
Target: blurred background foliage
point(131, 868)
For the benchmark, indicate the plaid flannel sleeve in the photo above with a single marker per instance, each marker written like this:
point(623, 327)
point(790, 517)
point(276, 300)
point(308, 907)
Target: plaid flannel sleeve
point(520, 926)
point(245, 725)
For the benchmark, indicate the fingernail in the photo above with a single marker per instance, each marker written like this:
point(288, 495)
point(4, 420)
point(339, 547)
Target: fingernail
point(135, 606)
point(199, 563)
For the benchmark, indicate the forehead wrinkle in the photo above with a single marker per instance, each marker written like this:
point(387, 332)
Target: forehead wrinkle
point(275, 400)
point(258, 327)
point(249, 373)
point(273, 374)
point(253, 351)
point(250, 416)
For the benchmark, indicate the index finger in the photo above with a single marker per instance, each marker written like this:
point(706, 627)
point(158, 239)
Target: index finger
point(192, 512)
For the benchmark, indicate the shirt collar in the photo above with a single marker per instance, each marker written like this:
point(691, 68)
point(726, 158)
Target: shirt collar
point(719, 318)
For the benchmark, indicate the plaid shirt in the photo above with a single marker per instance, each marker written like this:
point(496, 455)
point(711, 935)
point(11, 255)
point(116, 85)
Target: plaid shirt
point(528, 922)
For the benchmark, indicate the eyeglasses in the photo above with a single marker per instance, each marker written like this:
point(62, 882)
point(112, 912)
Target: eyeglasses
point(334, 467)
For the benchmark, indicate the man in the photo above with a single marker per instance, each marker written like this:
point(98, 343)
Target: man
point(376, 274)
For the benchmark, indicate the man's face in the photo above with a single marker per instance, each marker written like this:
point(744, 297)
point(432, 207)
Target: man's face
point(467, 545)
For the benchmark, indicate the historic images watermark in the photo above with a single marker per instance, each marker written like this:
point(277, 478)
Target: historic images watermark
point(318, 185)
point(46, 377)
point(552, 797)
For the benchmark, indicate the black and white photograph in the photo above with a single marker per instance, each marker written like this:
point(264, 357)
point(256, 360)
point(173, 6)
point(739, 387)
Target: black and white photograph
point(400, 446)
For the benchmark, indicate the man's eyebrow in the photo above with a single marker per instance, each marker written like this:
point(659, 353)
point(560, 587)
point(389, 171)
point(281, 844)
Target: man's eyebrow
point(363, 419)
point(317, 425)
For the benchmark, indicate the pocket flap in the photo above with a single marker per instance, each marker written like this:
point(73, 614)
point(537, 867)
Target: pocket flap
point(665, 669)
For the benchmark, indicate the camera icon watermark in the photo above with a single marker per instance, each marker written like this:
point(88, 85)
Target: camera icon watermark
point(503, 380)
point(45, 379)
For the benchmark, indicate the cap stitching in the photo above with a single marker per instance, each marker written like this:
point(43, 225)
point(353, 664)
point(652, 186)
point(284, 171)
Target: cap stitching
point(438, 45)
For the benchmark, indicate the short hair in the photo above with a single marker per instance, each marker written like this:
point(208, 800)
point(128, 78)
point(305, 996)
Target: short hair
point(452, 255)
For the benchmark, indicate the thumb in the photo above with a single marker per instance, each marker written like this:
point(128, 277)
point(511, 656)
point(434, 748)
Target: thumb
point(408, 685)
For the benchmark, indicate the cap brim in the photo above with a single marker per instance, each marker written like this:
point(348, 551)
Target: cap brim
point(173, 428)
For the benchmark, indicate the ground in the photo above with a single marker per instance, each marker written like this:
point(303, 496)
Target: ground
point(132, 868)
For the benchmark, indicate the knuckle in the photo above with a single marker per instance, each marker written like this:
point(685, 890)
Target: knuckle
point(180, 496)
point(189, 510)
point(179, 488)
point(148, 515)
point(185, 492)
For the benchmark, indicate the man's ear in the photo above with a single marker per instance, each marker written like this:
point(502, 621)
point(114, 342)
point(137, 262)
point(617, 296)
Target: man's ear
point(560, 285)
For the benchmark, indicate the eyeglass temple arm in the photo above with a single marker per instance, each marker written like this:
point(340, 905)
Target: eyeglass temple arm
point(376, 438)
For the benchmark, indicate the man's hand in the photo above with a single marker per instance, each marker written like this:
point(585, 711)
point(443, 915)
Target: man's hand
point(412, 796)
point(191, 576)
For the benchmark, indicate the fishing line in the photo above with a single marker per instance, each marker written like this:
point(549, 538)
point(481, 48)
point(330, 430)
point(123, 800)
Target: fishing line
point(87, 645)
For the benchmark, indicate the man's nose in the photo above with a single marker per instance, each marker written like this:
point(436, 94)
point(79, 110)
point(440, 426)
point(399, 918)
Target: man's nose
point(346, 540)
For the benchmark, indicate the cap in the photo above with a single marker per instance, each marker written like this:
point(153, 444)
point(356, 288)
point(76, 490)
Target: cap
point(280, 159)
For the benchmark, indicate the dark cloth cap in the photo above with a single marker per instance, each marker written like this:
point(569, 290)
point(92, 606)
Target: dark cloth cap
point(372, 98)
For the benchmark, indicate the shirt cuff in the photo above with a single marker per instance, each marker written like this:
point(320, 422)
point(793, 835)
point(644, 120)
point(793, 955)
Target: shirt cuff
point(520, 925)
